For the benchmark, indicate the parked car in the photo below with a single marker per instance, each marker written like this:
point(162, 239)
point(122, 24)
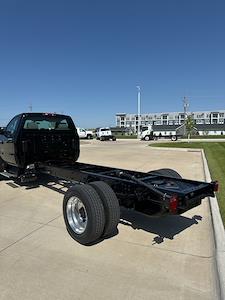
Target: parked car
point(105, 134)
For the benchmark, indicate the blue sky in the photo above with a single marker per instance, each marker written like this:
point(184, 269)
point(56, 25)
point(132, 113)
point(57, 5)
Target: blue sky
point(85, 58)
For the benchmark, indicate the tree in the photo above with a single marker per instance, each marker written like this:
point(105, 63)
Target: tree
point(190, 126)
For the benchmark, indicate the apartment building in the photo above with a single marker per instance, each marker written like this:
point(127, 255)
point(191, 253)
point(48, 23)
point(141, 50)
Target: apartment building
point(207, 122)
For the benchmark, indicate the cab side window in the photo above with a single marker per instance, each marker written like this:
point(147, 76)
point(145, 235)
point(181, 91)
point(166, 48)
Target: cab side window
point(12, 126)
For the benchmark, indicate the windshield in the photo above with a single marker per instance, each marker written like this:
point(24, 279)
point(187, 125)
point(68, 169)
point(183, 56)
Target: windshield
point(104, 129)
point(144, 128)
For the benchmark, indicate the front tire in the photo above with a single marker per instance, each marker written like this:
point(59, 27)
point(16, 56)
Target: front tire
point(83, 214)
point(2, 165)
point(147, 138)
point(173, 138)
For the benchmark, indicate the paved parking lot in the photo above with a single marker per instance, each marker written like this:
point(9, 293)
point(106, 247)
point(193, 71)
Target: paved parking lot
point(150, 258)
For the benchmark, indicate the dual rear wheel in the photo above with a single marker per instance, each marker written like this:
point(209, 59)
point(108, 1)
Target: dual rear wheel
point(166, 172)
point(91, 211)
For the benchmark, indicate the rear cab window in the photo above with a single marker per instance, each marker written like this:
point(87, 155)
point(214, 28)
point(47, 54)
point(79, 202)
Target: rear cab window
point(48, 122)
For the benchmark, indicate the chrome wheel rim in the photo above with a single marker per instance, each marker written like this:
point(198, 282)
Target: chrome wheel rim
point(76, 215)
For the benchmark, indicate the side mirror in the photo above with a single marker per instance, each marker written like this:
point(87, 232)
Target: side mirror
point(2, 130)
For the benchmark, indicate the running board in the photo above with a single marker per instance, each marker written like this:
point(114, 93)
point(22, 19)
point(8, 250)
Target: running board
point(8, 175)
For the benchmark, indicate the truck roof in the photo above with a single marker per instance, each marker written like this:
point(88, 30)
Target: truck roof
point(43, 114)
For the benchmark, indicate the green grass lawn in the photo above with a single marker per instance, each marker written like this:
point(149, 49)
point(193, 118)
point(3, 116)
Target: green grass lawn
point(215, 155)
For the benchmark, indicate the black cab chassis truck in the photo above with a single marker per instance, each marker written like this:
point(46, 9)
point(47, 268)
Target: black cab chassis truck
point(42, 143)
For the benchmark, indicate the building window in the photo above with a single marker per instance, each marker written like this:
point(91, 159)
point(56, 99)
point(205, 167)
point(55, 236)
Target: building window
point(199, 121)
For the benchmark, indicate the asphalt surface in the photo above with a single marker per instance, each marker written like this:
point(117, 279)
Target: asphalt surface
point(150, 257)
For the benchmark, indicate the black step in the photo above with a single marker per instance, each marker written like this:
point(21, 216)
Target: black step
point(8, 175)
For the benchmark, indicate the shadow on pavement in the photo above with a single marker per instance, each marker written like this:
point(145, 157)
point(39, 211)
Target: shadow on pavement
point(164, 226)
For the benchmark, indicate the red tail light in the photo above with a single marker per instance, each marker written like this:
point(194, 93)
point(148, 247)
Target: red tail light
point(216, 186)
point(173, 205)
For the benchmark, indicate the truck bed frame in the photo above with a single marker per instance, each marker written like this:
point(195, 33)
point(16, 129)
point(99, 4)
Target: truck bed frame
point(167, 193)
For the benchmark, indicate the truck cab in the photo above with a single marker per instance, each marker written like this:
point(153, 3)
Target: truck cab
point(84, 134)
point(104, 134)
point(38, 137)
point(147, 133)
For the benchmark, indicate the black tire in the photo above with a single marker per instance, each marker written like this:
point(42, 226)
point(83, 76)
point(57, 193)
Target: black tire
point(111, 206)
point(2, 165)
point(173, 138)
point(89, 137)
point(93, 214)
point(166, 172)
point(102, 138)
point(147, 138)
point(114, 138)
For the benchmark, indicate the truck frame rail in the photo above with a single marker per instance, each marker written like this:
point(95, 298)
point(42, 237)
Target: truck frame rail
point(131, 187)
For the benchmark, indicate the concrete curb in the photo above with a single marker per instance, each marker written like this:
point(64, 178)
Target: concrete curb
point(219, 233)
point(175, 149)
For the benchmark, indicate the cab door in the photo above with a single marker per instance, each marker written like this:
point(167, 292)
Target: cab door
point(82, 133)
point(7, 146)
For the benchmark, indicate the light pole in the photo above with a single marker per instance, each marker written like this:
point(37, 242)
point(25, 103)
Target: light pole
point(139, 111)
